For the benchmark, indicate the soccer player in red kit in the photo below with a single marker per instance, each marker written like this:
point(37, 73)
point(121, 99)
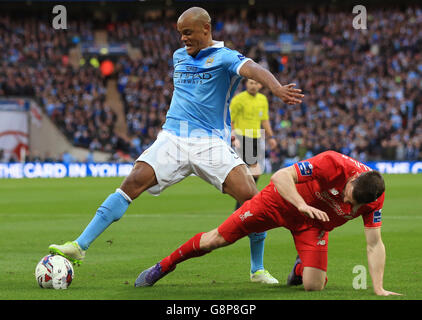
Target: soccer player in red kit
point(310, 198)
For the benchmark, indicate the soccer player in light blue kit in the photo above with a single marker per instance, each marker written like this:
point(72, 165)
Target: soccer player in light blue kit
point(195, 137)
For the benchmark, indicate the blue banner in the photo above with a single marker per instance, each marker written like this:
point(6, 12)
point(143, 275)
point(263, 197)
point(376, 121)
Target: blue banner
point(81, 170)
point(386, 166)
point(396, 166)
point(61, 170)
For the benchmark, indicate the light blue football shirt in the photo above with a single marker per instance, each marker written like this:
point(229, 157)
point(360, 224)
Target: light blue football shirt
point(203, 88)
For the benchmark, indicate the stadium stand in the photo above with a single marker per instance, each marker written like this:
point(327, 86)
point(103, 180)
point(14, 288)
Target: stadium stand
point(362, 87)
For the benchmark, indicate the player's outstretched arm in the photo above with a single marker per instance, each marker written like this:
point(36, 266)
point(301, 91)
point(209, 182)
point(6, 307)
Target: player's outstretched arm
point(285, 182)
point(287, 93)
point(376, 260)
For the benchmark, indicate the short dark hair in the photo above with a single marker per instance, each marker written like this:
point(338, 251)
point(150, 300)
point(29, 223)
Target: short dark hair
point(368, 187)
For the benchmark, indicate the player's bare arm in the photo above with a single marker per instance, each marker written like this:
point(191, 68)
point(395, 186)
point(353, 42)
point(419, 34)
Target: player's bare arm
point(287, 93)
point(285, 182)
point(376, 260)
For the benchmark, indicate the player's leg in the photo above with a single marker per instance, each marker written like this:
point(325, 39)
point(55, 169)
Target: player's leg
point(235, 227)
point(200, 244)
point(247, 149)
point(157, 168)
point(314, 279)
point(255, 171)
point(141, 178)
point(215, 162)
point(241, 185)
point(310, 268)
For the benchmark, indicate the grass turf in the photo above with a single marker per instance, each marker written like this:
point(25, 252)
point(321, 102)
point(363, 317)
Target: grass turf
point(37, 212)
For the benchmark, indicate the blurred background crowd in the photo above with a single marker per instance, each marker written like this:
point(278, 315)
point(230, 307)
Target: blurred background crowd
point(362, 87)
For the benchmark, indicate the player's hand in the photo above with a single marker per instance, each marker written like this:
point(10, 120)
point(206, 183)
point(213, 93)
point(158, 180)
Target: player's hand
point(289, 94)
point(273, 143)
point(385, 293)
point(314, 213)
point(235, 142)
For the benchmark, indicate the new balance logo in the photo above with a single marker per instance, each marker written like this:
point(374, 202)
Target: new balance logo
point(321, 243)
point(245, 215)
point(334, 192)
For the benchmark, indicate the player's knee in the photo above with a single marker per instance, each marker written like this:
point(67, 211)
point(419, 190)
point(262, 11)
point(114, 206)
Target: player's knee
point(313, 287)
point(313, 284)
point(141, 178)
point(314, 279)
point(247, 192)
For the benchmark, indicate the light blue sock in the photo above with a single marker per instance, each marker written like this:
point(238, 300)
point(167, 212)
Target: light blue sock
point(256, 241)
point(111, 210)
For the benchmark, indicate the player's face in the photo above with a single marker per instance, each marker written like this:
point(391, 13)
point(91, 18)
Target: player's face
point(348, 193)
point(193, 34)
point(252, 86)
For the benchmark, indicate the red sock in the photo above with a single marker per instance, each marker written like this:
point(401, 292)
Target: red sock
point(299, 269)
point(189, 249)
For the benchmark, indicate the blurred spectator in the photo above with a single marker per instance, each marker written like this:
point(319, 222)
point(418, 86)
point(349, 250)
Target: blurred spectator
point(67, 158)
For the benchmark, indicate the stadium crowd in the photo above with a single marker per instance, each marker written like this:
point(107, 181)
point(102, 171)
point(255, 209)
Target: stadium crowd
point(35, 62)
point(361, 86)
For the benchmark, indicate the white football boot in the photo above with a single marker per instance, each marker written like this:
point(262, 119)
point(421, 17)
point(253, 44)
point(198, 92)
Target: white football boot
point(263, 276)
point(70, 250)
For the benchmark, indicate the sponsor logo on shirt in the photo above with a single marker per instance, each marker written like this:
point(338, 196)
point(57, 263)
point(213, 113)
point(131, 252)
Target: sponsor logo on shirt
point(325, 196)
point(241, 57)
point(191, 77)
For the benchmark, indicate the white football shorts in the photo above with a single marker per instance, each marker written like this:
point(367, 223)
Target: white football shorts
point(173, 158)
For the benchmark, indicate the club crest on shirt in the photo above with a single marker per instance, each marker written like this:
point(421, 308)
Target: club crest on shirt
point(209, 61)
point(305, 168)
point(245, 215)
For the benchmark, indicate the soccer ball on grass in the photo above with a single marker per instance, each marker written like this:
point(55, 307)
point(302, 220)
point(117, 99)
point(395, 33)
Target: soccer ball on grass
point(54, 271)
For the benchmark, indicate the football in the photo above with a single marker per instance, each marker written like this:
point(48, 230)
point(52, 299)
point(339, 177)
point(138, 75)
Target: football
point(54, 272)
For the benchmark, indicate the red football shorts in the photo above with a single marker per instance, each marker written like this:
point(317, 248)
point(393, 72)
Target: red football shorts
point(250, 217)
point(254, 216)
point(312, 246)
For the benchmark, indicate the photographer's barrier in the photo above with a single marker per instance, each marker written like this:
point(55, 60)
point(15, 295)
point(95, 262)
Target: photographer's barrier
point(81, 170)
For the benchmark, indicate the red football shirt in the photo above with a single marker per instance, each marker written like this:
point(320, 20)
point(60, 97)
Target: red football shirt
point(321, 182)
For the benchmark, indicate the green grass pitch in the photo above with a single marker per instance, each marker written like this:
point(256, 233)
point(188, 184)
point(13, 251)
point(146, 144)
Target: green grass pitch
point(37, 212)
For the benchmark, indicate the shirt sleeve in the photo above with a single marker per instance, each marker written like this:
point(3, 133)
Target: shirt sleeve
point(373, 219)
point(234, 61)
point(326, 166)
point(175, 57)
